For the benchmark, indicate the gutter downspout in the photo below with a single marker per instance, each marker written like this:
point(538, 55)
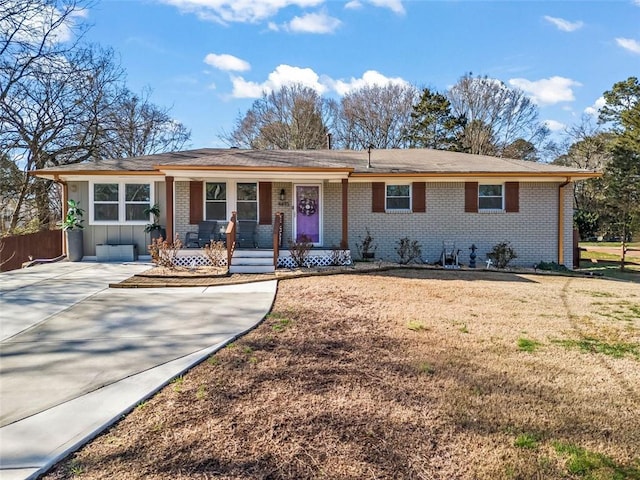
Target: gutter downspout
point(65, 208)
point(561, 220)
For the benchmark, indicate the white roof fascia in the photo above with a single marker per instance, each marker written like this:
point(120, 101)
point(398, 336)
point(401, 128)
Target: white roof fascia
point(265, 176)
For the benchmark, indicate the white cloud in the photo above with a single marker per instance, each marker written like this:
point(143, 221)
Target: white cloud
point(250, 11)
point(547, 91)
point(637, 2)
point(369, 78)
point(227, 62)
point(314, 23)
point(355, 5)
point(629, 44)
point(288, 75)
point(594, 109)
point(554, 125)
point(393, 5)
point(564, 25)
point(282, 75)
point(43, 22)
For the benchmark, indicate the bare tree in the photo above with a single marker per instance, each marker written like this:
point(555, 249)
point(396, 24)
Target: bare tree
point(377, 116)
point(134, 126)
point(51, 117)
point(62, 102)
point(496, 116)
point(294, 117)
point(589, 149)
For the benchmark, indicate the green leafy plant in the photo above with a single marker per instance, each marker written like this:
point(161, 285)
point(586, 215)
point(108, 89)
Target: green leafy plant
point(502, 254)
point(408, 250)
point(550, 267)
point(299, 251)
point(366, 248)
point(73, 219)
point(155, 225)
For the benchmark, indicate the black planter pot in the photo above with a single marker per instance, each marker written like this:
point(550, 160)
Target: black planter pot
point(75, 248)
point(157, 233)
point(368, 255)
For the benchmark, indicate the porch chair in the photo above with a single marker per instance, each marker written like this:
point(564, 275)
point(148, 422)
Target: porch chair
point(247, 235)
point(206, 234)
point(449, 257)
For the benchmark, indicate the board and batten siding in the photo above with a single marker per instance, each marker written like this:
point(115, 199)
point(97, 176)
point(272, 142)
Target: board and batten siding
point(532, 230)
point(114, 234)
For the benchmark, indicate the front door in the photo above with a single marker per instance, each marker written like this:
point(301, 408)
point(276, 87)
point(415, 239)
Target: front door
point(307, 215)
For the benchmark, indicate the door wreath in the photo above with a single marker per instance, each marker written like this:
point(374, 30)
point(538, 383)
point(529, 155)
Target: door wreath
point(307, 206)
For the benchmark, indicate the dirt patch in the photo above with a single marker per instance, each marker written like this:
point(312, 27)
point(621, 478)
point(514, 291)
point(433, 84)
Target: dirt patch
point(401, 374)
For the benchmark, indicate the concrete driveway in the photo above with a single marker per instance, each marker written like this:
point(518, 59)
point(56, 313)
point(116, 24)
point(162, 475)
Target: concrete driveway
point(75, 355)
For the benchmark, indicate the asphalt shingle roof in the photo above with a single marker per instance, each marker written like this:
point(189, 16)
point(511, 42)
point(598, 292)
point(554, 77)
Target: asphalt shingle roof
point(393, 161)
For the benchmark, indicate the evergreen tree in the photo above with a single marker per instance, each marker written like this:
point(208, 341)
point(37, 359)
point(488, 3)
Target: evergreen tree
point(433, 125)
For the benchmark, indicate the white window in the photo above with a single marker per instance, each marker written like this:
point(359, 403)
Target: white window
point(247, 203)
point(105, 202)
point(120, 203)
point(490, 197)
point(216, 201)
point(398, 198)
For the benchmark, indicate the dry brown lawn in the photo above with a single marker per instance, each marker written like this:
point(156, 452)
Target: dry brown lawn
point(409, 374)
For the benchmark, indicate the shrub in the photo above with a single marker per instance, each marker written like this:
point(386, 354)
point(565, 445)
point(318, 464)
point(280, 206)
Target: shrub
point(299, 250)
point(502, 254)
point(550, 266)
point(339, 257)
point(408, 250)
point(366, 248)
point(216, 252)
point(163, 253)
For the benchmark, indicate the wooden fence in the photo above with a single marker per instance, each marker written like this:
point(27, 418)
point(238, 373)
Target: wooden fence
point(15, 250)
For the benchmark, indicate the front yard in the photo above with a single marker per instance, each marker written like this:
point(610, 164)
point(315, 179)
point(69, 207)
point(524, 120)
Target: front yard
point(419, 374)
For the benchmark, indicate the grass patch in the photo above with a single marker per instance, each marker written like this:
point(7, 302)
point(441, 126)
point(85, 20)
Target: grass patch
point(630, 274)
point(177, 384)
point(527, 345)
point(280, 322)
point(526, 440)
point(426, 368)
point(348, 391)
point(201, 393)
point(593, 465)
point(416, 326)
point(594, 345)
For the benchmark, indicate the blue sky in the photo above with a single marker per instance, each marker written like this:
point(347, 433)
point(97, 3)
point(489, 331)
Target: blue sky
point(209, 59)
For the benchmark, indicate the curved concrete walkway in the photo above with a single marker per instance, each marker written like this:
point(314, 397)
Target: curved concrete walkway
point(75, 355)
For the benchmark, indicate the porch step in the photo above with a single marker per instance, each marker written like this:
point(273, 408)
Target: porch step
point(252, 261)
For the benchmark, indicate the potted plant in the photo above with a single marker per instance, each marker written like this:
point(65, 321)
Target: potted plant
point(154, 229)
point(72, 225)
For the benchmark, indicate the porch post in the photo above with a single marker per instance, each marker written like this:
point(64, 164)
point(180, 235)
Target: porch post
point(169, 201)
point(344, 243)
